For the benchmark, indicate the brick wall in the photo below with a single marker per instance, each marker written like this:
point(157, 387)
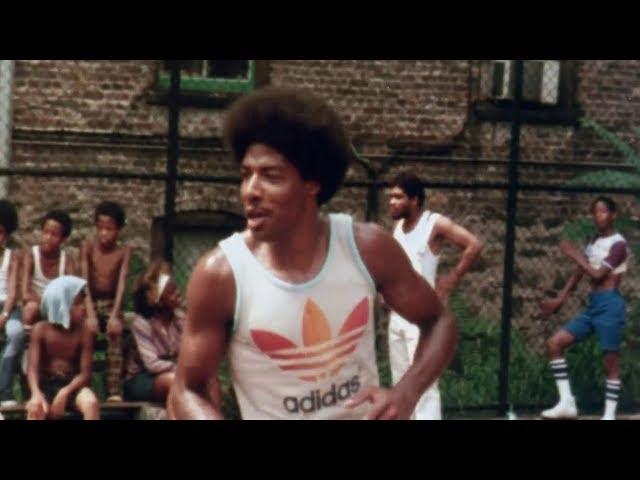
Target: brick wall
point(386, 105)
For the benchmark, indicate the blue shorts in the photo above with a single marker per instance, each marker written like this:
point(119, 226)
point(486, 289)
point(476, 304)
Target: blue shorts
point(605, 315)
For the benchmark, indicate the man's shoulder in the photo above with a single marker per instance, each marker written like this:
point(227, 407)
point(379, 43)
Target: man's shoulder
point(213, 265)
point(41, 328)
point(369, 233)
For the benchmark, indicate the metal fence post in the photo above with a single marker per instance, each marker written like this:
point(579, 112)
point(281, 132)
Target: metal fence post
point(512, 199)
point(172, 159)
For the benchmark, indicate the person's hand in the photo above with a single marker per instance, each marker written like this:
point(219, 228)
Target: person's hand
point(92, 323)
point(59, 404)
point(444, 287)
point(385, 404)
point(31, 297)
point(37, 407)
point(548, 307)
point(114, 326)
point(569, 249)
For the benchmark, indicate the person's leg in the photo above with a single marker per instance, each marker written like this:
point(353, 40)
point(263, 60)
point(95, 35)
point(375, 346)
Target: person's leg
point(609, 324)
point(399, 354)
point(611, 362)
point(114, 367)
point(87, 404)
point(556, 346)
point(139, 388)
point(161, 386)
point(113, 373)
point(428, 406)
point(10, 359)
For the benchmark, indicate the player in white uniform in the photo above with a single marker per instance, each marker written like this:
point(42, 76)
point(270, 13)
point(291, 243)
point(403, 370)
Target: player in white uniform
point(290, 299)
point(422, 234)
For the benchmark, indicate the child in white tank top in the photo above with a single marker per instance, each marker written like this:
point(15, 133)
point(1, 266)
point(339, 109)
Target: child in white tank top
point(45, 262)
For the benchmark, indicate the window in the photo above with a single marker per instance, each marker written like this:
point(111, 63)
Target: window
point(547, 91)
point(212, 76)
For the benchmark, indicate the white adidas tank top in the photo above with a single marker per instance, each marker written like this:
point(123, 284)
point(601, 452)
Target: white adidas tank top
point(4, 275)
point(300, 351)
point(416, 245)
point(39, 281)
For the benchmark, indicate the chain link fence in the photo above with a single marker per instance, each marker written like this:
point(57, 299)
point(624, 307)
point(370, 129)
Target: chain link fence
point(520, 172)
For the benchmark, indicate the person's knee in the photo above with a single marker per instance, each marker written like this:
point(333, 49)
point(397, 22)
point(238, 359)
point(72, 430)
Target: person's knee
point(30, 313)
point(553, 346)
point(15, 333)
point(88, 402)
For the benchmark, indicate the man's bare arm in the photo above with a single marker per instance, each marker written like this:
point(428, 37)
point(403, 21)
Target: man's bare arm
point(84, 269)
point(551, 306)
point(12, 288)
point(33, 369)
point(408, 294)
point(581, 261)
point(463, 239)
point(210, 307)
point(27, 277)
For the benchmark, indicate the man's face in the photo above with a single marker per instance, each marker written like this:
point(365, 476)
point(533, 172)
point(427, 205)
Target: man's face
point(400, 204)
point(107, 230)
point(602, 217)
point(78, 311)
point(52, 237)
point(274, 195)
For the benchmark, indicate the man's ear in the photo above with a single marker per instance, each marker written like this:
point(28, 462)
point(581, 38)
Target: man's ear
point(313, 187)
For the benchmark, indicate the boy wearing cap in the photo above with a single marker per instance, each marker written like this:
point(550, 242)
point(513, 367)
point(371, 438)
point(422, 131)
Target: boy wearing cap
point(61, 354)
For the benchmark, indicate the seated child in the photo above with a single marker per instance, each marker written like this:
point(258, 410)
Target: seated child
point(105, 264)
point(45, 262)
point(156, 331)
point(61, 354)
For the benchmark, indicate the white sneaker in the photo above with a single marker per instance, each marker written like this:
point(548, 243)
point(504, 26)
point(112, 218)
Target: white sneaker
point(8, 403)
point(564, 409)
point(608, 418)
point(114, 398)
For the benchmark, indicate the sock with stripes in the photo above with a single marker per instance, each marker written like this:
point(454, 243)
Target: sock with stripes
point(561, 375)
point(611, 398)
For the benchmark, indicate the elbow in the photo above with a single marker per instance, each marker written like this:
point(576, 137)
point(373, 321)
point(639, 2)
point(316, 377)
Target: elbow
point(477, 247)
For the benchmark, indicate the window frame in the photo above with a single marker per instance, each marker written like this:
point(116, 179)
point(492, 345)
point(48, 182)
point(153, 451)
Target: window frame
point(206, 85)
point(565, 112)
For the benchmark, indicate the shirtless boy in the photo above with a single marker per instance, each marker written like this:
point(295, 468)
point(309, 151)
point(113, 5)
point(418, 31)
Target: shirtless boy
point(61, 354)
point(105, 265)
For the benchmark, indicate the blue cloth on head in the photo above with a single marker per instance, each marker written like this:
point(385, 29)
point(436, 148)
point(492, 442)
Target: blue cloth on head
point(58, 297)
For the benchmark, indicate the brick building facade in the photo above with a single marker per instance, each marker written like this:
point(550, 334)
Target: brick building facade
point(113, 114)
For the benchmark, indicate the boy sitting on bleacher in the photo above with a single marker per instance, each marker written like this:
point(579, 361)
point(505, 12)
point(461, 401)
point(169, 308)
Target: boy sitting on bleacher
point(105, 264)
point(61, 354)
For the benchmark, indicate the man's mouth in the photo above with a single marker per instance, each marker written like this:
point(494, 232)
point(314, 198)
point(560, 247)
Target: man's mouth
point(256, 218)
